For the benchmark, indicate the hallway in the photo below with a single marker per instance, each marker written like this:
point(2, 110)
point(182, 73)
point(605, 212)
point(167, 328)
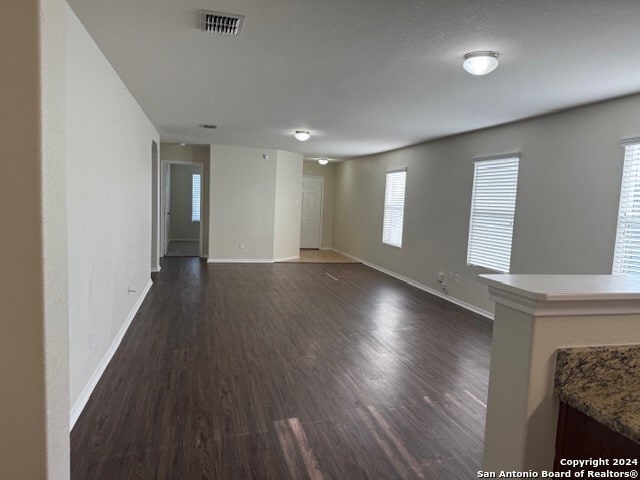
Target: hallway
point(330, 371)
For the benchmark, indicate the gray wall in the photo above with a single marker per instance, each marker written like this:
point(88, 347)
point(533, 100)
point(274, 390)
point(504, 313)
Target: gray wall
point(568, 192)
point(197, 154)
point(181, 226)
point(313, 168)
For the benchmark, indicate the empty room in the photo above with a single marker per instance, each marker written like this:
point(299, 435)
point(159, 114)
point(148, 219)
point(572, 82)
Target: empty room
point(295, 239)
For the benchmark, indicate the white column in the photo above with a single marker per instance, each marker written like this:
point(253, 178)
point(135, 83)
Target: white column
point(535, 315)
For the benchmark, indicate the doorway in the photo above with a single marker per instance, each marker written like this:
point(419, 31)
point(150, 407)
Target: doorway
point(182, 190)
point(311, 219)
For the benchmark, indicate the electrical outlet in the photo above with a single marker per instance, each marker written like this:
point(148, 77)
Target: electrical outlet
point(241, 246)
point(450, 275)
point(440, 276)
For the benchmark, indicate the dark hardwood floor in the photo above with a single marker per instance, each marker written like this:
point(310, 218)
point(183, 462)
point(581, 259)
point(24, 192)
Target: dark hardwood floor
point(283, 371)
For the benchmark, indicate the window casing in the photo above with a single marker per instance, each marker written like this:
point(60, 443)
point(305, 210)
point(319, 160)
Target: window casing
point(394, 193)
point(493, 206)
point(626, 258)
point(196, 180)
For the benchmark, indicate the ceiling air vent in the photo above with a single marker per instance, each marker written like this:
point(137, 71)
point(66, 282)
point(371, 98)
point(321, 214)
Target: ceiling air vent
point(221, 23)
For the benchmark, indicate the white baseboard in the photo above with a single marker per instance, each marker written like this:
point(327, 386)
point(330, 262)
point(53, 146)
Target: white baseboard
point(421, 286)
point(77, 408)
point(285, 259)
point(184, 239)
point(156, 269)
point(327, 248)
point(240, 260)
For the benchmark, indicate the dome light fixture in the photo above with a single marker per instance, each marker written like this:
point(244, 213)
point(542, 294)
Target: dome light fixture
point(323, 161)
point(480, 63)
point(302, 136)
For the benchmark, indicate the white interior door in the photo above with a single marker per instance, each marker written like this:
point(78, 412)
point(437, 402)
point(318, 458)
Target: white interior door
point(166, 205)
point(311, 223)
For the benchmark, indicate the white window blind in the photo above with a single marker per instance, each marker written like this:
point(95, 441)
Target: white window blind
point(626, 258)
point(493, 206)
point(394, 208)
point(195, 197)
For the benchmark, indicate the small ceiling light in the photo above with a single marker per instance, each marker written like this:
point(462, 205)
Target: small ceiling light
point(323, 161)
point(302, 135)
point(182, 144)
point(480, 63)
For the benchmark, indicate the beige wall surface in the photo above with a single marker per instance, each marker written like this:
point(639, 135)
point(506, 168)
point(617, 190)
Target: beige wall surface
point(313, 168)
point(197, 154)
point(287, 210)
point(242, 201)
point(568, 193)
point(181, 226)
point(34, 367)
point(109, 141)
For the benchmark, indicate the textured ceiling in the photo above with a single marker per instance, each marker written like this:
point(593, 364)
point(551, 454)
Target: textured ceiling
point(363, 76)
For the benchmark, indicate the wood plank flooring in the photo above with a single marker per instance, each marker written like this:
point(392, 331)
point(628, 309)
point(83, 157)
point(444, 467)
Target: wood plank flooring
point(288, 371)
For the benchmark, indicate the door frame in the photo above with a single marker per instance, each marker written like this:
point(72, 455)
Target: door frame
point(321, 207)
point(165, 237)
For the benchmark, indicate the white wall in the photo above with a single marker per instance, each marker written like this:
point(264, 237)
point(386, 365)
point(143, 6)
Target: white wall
point(242, 196)
point(197, 154)
point(181, 226)
point(109, 142)
point(34, 368)
point(287, 210)
point(568, 192)
point(328, 172)
point(155, 208)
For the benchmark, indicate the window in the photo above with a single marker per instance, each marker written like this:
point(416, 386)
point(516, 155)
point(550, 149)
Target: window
point(626, 258)
point(195, 197)
point(493, 206)
point(394, 207)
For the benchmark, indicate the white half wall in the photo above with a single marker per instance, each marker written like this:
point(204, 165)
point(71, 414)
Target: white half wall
point(566, 211)
point(109, 168)
point(286, 229)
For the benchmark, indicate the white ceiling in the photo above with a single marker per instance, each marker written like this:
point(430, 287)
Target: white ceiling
point(363, 76)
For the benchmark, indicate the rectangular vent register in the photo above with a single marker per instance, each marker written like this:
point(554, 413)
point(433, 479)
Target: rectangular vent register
point(221, 23)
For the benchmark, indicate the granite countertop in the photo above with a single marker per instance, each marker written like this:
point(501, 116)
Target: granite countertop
point(603, 383)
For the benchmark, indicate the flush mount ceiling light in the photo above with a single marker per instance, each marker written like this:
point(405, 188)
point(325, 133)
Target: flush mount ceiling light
point(323, 161)
point(302, 136)
point(182, 144)
point(480, 63)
